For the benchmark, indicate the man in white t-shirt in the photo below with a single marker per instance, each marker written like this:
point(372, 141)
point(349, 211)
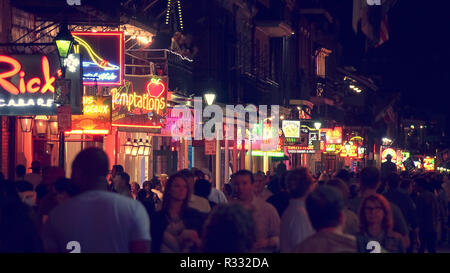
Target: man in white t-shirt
point(295, 223)
point(96, 220)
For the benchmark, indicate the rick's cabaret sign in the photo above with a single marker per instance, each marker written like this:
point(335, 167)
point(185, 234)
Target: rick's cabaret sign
point(27, 85)
point(140, 103)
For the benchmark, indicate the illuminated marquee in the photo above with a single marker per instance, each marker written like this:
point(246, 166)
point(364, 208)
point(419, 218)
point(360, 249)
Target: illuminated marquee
point(96, 118)
point(102, 57)
point(140, 102)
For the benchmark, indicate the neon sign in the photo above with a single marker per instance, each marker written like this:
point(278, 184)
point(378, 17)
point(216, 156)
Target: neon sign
point(96, 118)
point(102, 57)
point(301, 149)
point(33, 85)
point(333, 136)
point(428, 163)
point(140, 102)
point(291, 128)
point(389, 151)
point(124, 96)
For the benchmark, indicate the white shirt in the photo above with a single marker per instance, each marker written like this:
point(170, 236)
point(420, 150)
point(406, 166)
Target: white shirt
point(217, 196)
point(99, 221)
point(199, 203)
point(295, 226)
point(33, 178)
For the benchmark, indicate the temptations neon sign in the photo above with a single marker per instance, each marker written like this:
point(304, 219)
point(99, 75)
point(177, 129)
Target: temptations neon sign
point(140, 103)
point(125, 96)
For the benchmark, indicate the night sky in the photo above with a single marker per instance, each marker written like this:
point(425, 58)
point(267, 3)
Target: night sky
point(415, 59)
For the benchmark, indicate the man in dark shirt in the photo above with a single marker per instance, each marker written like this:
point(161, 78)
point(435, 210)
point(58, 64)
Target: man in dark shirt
point(428, 213)
point(387, 168)
point(406, 205)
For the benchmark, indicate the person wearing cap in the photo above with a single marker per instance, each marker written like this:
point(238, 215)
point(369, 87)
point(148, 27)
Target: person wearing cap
point(34, 177)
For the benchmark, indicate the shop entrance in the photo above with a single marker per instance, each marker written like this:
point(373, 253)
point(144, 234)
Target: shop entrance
point(164, 162)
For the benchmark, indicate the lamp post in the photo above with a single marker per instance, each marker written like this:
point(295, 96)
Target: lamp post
point(210, 97)
point(64, 42)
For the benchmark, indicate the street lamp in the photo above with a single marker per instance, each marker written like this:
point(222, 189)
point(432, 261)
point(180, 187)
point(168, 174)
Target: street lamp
point(210, 97)
point(64, 41)
point(317, 125)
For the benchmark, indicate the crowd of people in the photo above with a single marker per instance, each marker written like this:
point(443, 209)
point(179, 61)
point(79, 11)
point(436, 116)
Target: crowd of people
point(101, 210)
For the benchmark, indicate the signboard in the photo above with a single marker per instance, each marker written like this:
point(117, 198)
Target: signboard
point(390, 151)
point(352, 151)
point(64, 118)
point(409, 164)
point(301, 149)
point(428, 163)
point(269, 154)
point(96, 118)
point(140, 103)
point(333, 136)
point(28, 83)
point(210, 147)
point(291, 128)
point(102, 57)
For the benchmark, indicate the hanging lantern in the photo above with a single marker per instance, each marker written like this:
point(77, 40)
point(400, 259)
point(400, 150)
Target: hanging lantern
point(134, 150)
point(128, 147)
point(26, 124)
point(53, 124)
point(41, 124)
point(147, 148)
point(141, 147)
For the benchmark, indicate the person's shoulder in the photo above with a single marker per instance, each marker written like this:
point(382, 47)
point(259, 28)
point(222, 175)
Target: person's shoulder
point(311, 244)
point(265, 205)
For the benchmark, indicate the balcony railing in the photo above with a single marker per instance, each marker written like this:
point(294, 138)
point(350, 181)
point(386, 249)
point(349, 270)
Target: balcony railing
point(161, 62)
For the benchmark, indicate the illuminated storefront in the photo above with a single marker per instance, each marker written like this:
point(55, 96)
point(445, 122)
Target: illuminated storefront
point(139, 109)
point(28, 88)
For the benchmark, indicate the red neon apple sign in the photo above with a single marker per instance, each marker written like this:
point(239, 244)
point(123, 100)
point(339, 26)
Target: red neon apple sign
point(155, 88)
point(33, 85)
